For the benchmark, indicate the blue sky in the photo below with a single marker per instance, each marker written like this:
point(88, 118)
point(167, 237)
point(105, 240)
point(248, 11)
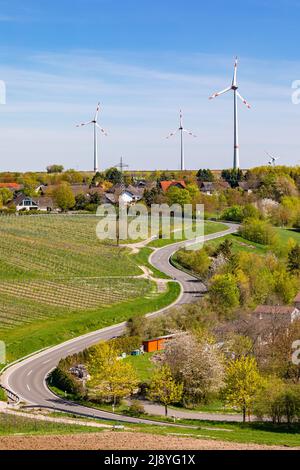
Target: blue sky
point(144, 60)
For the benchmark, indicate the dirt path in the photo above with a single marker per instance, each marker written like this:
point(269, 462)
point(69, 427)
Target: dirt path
point(121, 441)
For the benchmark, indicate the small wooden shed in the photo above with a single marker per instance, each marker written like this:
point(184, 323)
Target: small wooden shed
point(156, 344)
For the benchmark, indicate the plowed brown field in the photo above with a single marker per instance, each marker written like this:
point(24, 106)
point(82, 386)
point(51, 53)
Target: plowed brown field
point(120, 441)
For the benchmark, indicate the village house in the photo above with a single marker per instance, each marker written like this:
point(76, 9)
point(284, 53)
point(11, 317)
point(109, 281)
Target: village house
point(128, 195)
point(23, 202)
point(211, 187)
point(285, 313)
point(244, 186)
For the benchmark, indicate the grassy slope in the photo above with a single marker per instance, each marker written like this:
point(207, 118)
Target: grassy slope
point(143, 365)
point(47, 247)
point(209, 227)
point(260, 433)
point(34, 336)
point(11, 424)
point(286, 234)
point(256, 433)
point(240, 244)
point(142, 259)
point(60, 250)
point(2, 395)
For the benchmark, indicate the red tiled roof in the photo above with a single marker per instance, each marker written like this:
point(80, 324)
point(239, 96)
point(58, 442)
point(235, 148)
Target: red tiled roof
point(165, 185)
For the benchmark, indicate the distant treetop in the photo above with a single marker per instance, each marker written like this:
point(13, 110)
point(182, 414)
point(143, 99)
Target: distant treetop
point(55, 168)
point(205, 175)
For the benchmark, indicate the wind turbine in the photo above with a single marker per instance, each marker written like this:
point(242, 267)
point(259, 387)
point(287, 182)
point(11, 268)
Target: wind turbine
point(182, 130)
point(96, 126)
point(236, 94)
point(272, 160)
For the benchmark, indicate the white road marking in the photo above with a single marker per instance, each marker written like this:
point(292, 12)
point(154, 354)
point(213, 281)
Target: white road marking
point(46, 362)
point(28, 387)
point(29, 373)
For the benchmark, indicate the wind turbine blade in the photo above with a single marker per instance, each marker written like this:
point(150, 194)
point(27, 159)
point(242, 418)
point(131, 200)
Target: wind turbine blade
point(97, 112)
point(172, 134)
point(220, 93)
point(189, 133)
point(84, 124)
point(180, 119)
point(271, 156)
point(234, 80)
point(243, 100)
point(101, 129)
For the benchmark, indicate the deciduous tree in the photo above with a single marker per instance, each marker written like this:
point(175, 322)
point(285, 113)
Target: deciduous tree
point(242, 382)
point(64, 196)
point(164, 389)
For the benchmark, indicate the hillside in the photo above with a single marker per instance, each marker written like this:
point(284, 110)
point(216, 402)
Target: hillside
point(58, 281)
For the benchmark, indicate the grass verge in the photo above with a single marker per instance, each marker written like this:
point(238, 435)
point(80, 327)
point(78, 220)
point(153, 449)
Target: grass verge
point(11, 425)
point(209, 228)
point(255, 433)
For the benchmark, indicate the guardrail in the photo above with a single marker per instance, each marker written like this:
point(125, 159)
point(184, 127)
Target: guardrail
point(11, 395)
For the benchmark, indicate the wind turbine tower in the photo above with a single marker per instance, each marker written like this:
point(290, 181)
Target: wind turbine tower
point(96, 128)
point(182, 131)
point(234, 87)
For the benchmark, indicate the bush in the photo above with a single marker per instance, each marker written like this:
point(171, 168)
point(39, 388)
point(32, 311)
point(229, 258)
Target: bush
point(234, 213)
point(66, 382)
point(198, 261)
point(278, 401)
point(126, 344)
point(258, 231)
point(8, 210)
point(225, 248)
point(239, 213)
point(91, 207)
point(224, 293)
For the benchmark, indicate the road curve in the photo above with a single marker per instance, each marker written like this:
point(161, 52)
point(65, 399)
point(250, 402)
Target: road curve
point(27, 378)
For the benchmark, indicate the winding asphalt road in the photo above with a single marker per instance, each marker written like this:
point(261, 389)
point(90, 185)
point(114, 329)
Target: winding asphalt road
point(27, 378)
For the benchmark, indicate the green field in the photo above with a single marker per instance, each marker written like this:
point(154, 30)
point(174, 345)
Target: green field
point(241, 244)
point(263, 433)
point(143, 365)
point(256, 433)
point(209, 227)
point(57, 281)
point(12, 424)
point(2, 395)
